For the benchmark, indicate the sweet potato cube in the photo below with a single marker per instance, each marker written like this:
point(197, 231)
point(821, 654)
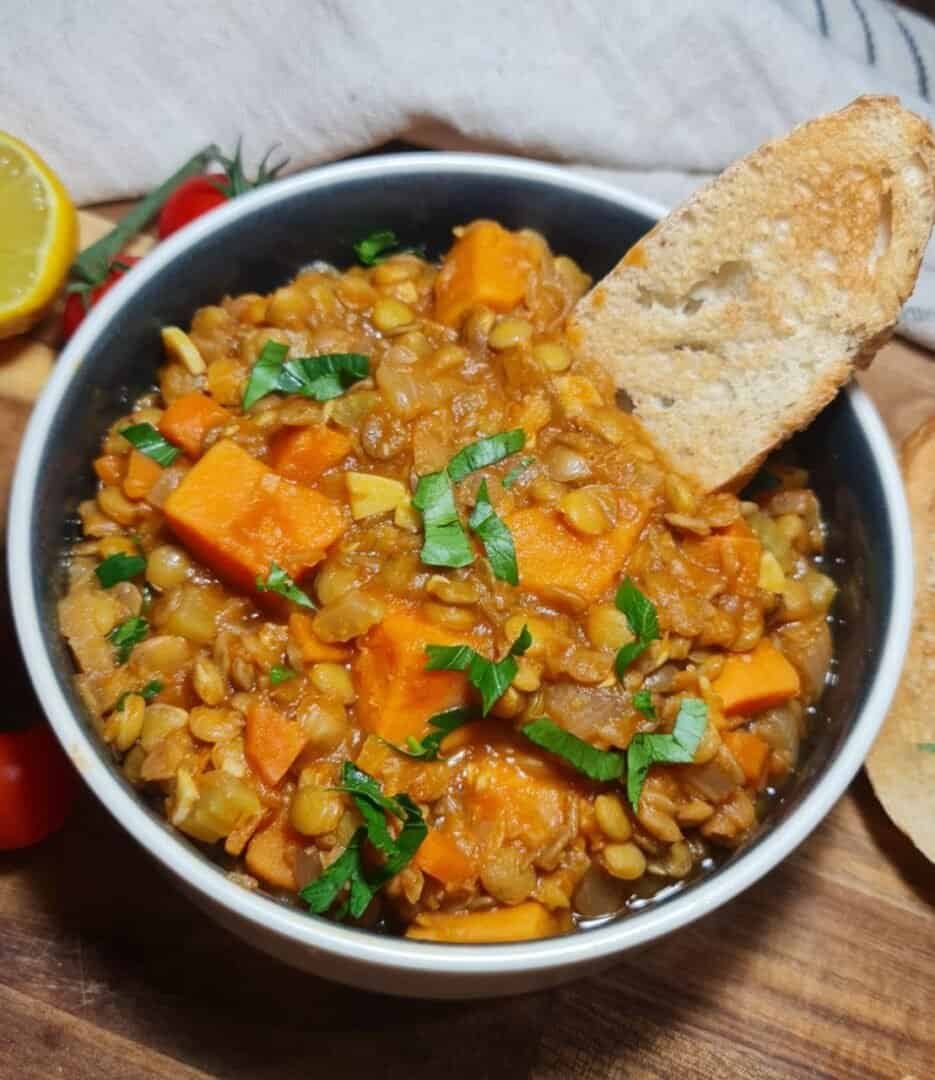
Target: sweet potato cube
point(239, 517)
point(142, 474)
point(757, 680)
point(395, 694)
point(734, 554)
point(188, 420)
point(525, 922)
point(487, 265)
point(441, 857)
point(303, 454)
point(271, 742)
point(750, 752)
point(554, 557)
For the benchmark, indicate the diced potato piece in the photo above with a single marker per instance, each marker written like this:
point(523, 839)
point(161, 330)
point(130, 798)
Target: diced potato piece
point(370, 494)
point(395, 694)
point(486, 265)
point(771, 576)
point(525, 922)
point(304, 454)
point(179, 346)
point(239, 517)
point(222, 801)
point(751, 682)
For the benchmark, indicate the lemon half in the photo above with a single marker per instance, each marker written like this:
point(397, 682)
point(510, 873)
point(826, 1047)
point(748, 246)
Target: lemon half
point(38, 236)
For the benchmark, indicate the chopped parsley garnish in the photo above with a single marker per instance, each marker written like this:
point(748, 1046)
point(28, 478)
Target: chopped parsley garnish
point(427, 748)
point(348, 868)
point(446, 542)
point(119, 567)
point(484, 452)
point(149, 691)
point(279, 674)
point(495, 536)
point(490, 678)
point(927, 747)
point(597, 764)
point(643, 702)
point(146, 439)
point(264, 376)
point(642, 619)
point(319, 377)
point(375, 247)
point(516, 472)
point(278, 581)
point(675, 749)
point(129, 633)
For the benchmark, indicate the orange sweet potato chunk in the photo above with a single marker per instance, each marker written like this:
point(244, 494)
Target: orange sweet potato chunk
point(303, 454)
point(733, 554)
point(271, 855)
point(441, 857)
point(487, 265)
point(238, 517)
point(553, 556)
point(271, 742)
point(525, 922)
point(750, 682)
point(750, 752)
point(142, 474)
point(189, 418)
point(395, 694)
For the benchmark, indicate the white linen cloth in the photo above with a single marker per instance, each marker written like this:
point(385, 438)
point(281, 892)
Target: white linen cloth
point(657, 94)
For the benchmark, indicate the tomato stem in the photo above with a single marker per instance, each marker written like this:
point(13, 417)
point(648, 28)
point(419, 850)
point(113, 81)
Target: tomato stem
point(93, 264)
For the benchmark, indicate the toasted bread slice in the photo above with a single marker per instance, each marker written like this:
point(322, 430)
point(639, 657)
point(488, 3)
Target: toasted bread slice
point(739, 316)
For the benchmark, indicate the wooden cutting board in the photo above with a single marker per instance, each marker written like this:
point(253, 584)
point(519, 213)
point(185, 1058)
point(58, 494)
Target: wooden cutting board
point(825, 969)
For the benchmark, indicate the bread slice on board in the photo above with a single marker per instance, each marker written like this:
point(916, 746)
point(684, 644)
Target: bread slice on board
point(902, 762)
point(739, 316)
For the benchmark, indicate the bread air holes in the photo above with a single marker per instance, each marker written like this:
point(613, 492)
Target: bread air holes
point(731, 281)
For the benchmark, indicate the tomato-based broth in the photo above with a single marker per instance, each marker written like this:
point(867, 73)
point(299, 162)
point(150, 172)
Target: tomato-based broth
point(395, 612)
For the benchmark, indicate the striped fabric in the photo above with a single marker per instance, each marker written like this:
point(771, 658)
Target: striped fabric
point(657, 94)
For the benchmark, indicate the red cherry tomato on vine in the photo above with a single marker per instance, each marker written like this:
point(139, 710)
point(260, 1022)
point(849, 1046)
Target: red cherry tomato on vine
point(191, 199)
point(79, 304)
point(37, 786)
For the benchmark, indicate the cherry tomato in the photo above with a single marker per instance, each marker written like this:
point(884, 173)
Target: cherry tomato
point(191, 199)
point(75, 309)
point(37, 786)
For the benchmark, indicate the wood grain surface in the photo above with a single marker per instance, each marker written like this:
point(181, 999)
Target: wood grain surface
point(824, 969)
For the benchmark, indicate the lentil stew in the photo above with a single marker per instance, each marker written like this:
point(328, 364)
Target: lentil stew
point(390, 607)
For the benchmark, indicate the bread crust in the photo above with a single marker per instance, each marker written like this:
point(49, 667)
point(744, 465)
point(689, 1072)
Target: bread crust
point(738, 317)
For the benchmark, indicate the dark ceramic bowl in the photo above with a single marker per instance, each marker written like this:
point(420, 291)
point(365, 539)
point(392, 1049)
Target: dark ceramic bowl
point(258, 242)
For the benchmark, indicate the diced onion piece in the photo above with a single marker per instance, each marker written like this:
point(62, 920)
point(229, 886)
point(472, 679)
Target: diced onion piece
point(179, 346)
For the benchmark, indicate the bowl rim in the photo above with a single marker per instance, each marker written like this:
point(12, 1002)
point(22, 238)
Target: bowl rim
point(349, 944)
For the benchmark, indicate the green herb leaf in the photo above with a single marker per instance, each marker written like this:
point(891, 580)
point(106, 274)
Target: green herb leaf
point(266, 372)
point(148, 441)
point(675, 749)
point(348, 867)
point(596, 764)
point(278, 581)
point(319, 377)
point(375, 247)
point(427, 748)
point(446, 542)
point(484, 452)
point(149, 691)
point(927, 747)
point(119, 567)
point(495, 536)
point(516, 472)
point(323, 377)
point(490, 678)
point(643, 702)
point(93, 264)
point(279, 674)
point(642, 620)
point(129, 633)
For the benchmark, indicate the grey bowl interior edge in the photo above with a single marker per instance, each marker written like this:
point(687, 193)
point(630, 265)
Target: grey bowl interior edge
point(272, 243)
